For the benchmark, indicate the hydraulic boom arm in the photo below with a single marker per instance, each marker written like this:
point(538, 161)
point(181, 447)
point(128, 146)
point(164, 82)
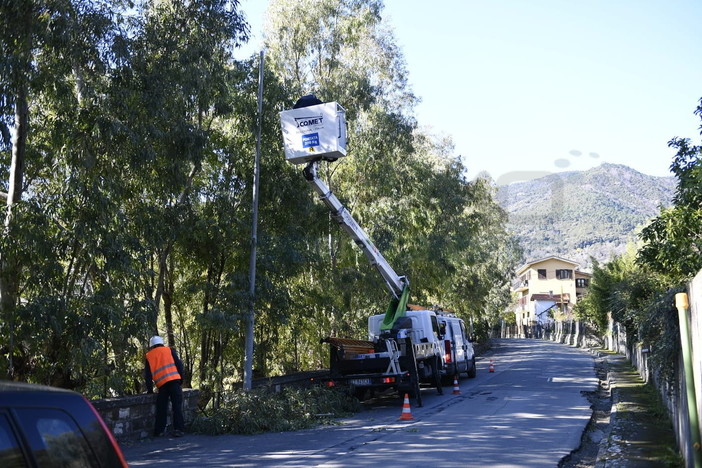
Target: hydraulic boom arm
point(395, 283)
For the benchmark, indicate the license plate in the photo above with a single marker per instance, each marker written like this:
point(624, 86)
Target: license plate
point(360, 382)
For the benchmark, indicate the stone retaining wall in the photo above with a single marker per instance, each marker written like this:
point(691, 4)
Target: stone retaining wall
point(132, 417)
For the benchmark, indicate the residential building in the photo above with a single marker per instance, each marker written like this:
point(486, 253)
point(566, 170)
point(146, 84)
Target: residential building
point(547, 290)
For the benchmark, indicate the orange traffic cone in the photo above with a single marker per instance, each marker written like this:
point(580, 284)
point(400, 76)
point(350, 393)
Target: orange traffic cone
point(492, 367)
point(456, 390)
point(406, 412)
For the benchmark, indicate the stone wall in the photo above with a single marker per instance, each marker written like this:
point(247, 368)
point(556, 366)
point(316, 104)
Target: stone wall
point(132, 417)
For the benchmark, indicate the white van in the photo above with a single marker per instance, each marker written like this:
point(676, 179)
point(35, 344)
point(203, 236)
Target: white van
point(457, 351)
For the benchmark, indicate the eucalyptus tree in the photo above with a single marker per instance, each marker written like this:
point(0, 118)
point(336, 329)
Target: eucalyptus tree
point(340, 50)
point(125, 104)
point(482, 284)
point(176, 86)
point(218, 243)
point(57, 52)
point(406, 188)
point(16, 75)
point(454, 234)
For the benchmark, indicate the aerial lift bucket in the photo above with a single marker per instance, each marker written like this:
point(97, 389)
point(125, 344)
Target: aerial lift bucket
point(314, 132)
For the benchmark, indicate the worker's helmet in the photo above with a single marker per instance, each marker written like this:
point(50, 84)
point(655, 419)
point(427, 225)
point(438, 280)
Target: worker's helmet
point(155, 340)
point(307, 101)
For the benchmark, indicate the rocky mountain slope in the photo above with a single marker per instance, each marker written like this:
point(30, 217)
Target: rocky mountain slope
point(578, 215)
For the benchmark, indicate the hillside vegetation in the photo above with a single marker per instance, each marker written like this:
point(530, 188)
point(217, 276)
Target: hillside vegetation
point(578, 215)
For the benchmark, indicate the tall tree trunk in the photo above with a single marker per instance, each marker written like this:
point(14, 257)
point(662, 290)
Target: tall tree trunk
point(205, 335)
point(212, 342)
point(168, 302)
point(10, 268)
point(164, 255)
point(19, 149)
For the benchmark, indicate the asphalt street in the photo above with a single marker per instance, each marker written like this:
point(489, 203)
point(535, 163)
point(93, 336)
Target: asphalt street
point(529, 412)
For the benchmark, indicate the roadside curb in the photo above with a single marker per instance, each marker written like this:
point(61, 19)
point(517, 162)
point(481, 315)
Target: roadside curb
point(636, 436)
point(602, 453)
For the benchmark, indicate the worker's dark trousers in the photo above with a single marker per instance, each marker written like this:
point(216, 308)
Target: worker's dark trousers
point(169, 391)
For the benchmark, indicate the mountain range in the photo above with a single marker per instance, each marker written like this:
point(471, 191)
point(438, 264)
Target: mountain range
point(583, 214)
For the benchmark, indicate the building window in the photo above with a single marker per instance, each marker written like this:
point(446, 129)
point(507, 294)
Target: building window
point(542, 274)
point(582, 282)
point(564, 274)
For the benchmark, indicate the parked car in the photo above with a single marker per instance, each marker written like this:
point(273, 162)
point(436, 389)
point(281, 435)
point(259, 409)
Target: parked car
point(51, 427)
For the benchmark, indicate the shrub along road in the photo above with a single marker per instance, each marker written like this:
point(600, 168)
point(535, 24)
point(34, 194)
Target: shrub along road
point(530, 412)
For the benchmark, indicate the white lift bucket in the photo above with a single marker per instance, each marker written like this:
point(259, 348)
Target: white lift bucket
point(314, 132)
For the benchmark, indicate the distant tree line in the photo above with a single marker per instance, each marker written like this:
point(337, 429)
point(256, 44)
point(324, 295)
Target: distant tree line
point(127, 139)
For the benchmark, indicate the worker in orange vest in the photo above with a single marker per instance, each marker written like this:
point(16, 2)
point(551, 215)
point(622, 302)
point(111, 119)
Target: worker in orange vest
point(165, 369)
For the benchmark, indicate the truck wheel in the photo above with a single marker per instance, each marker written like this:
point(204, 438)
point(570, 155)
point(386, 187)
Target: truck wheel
point(472, 370)
point(359, 393)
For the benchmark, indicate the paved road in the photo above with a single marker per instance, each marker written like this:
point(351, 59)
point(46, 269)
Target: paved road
point(529, 413)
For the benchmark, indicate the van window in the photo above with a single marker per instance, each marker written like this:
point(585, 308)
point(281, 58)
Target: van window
point(435, 326)
point(10, 453)
point(55, 438)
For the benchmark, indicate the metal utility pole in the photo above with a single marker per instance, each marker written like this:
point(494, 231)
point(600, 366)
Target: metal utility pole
point(248, 359)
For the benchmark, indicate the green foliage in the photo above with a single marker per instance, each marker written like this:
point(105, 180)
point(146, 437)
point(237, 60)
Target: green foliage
point(660, 330)
point(630, 294)
point(260, 411)
point(638, 289)
point(672, 247)
point(136, 216)
point(673, 240)
point(407, 189)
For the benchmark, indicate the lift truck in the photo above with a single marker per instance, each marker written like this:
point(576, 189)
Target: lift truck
point(405, 349)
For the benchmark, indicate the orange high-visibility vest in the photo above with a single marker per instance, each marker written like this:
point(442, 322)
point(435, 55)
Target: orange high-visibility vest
point(162, 365)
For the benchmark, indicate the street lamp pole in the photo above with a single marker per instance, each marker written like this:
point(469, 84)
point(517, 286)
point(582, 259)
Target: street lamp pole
point(249, 345)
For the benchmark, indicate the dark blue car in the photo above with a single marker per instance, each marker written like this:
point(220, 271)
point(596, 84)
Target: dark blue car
point(50, 427)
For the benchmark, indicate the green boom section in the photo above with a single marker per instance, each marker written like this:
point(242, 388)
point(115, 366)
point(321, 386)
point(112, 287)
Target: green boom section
point(396, 309)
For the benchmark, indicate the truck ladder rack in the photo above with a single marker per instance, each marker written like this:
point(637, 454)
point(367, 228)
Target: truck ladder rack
point(394, 352)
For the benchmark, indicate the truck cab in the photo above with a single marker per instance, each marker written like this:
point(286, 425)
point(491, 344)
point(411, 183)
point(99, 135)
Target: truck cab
point(444, 331)
point(420, 325)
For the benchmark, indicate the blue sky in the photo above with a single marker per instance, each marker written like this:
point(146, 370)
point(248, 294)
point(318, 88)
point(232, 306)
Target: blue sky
point(530, 87)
